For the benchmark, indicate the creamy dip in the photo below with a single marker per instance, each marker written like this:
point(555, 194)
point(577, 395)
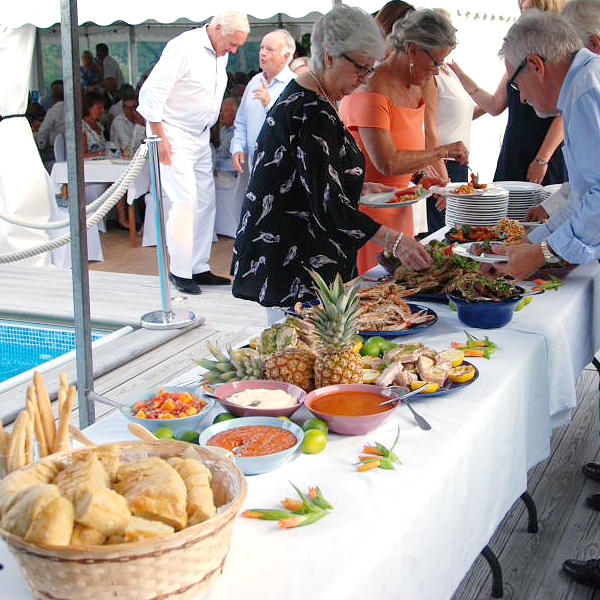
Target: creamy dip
point(261, 398)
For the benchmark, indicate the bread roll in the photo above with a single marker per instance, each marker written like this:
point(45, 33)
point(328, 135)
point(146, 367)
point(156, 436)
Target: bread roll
point(83, 536)
point(200, 503)
point(143, 529)
point(154, 490)
point(86, 472)
point(102, 509)
point(19, 517)
point(53, 524)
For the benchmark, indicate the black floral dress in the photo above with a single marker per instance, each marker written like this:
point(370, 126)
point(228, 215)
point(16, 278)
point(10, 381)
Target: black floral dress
point(300, 211)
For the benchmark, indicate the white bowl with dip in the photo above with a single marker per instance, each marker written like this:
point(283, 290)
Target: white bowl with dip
point(248, 401)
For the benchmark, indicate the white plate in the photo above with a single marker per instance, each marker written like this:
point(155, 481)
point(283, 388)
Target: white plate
point(490, 191)
point(382, 199)
point(464, 250)
point(519, 186)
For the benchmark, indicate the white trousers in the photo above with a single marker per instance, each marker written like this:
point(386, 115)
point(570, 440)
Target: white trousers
point(188, 184)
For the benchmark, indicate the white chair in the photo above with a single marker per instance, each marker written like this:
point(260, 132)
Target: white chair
point(60, 151)
point(61, 257)
point(229, 203)
point(149, 237)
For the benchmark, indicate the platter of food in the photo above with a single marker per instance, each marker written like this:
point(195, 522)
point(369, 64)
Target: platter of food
point(401, 197)
point(466, 190)
point(410, 365)
point(483, 252)
point(421, 317)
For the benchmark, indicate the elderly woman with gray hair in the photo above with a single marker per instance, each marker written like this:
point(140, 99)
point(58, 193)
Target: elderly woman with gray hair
point(301, 207)
point(386, 115)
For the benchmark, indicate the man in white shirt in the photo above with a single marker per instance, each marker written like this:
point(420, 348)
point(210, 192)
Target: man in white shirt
point(52, 125)
point(110, 67)
point(128, 128)
point(181, 100)
point(276, 52)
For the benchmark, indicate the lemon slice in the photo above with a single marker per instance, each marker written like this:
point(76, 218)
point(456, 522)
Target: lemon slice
point(370, 375)
point(454, 355)
point(428, 389)
point(461, 374)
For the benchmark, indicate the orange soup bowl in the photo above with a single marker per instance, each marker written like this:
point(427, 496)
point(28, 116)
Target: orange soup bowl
point(351, 408)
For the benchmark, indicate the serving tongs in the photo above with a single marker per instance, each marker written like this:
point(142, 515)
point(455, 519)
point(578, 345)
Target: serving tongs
point(402, 397)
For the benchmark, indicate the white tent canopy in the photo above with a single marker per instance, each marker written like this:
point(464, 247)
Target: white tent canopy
point(45, 13)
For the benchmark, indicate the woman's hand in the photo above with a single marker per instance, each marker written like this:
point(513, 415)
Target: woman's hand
point(412, 254)
point(458, 151)
point(371, 187)
point(536, 213)
point(536, 172)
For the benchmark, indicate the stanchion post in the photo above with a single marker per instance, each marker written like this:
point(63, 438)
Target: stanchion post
point(166, 318)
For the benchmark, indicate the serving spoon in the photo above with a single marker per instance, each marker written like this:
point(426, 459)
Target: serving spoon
point(421, 421)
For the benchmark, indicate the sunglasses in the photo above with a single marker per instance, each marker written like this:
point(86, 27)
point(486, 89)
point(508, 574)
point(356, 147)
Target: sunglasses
point(360, 69)
point(436, 63)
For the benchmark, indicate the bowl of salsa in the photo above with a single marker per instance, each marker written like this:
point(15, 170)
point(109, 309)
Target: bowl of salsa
point(258, 444)
point(179, 407)
point(351, 409)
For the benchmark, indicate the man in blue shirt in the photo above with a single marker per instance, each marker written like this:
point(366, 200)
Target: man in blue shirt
point(276, 52)
point(568, 84)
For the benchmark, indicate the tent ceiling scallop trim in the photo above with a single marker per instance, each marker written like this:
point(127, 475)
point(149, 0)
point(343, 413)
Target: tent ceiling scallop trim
point(45, 13)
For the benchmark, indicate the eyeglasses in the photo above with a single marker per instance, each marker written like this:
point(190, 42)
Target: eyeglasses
point(436, 63)
point(360, 69)
point(511, 81)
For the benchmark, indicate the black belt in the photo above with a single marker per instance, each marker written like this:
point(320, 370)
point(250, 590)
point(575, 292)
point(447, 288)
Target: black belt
point(3, 118)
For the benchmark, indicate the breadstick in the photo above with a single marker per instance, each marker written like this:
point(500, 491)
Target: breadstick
point(62, 437)
point(29, 437)
point(37, 423)
point(16, 448)
point(63, 386)
point(4, 439)
point(45, 409)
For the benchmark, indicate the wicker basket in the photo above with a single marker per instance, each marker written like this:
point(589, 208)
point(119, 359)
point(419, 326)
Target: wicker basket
point(178, 566)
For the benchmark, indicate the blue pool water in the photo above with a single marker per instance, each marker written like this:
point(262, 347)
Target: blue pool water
point(27, 345)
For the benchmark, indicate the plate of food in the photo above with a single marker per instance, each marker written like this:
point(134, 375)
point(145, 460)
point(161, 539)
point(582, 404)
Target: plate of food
point(410, 365)
point(421, 317)
point(483, 252)
point(470, 233)
point(400, 197)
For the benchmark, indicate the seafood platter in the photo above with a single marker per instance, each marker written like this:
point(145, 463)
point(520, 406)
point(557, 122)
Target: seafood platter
point(401, 197)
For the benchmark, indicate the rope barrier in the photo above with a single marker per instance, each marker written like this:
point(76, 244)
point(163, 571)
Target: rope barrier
point(119, 189)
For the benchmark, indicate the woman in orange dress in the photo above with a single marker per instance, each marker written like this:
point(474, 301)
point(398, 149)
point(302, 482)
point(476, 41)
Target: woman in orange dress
point(386, 116)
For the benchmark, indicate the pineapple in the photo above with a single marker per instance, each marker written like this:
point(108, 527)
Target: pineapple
point(335, 323)
point(294, 365)
point(244, 363)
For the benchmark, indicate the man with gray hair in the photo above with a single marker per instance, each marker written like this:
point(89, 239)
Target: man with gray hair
point(276, 52)
point(180, 101)
point(547, 63)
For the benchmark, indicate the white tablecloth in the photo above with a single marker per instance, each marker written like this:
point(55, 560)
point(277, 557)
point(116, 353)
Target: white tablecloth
point(105, 171)
point(410, 533)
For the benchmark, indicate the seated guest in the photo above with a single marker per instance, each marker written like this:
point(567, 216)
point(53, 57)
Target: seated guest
point(276, 52)
point(125, 90)
point(56, 95)
point(52, 124)
point(223, 162)
point(94, 140)
point(88, 70)
point(128, 129)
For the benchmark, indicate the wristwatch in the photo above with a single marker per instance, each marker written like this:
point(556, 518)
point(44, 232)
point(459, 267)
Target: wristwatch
point(549, 255)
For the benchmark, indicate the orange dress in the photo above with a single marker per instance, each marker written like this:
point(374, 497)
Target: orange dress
point(371, 109)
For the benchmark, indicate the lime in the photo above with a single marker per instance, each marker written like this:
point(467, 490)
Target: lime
point(377, 340)
point(373, 346)
point(164, 433)
point(284, 418)
point(225, 416)
point(314, 441)
point(314, 423)
point(190, 436)
point(452, 305)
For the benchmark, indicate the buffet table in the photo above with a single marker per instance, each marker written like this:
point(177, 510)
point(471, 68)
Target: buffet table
point(414, 532)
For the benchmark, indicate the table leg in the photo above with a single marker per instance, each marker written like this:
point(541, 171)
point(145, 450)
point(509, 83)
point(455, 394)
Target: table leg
point(496, 569)
point(532, 526)
point(131, 216)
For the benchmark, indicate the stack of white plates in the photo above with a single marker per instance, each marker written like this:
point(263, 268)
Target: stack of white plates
point(522, 196)
point(548, 190)
point(486, 207)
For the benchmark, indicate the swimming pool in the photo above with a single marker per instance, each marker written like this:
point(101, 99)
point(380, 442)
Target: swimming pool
point(25, 345)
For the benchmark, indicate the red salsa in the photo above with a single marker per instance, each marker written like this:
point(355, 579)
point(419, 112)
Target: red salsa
point(254, 440)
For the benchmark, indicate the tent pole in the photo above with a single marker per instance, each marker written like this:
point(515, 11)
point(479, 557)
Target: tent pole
point(133, 57)
point(79, 255)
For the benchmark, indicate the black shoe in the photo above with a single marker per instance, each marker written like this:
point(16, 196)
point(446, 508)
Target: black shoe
point(187, 286)
point(592, 470)
point(593, 501)
point(585, 572)
point(208, 278)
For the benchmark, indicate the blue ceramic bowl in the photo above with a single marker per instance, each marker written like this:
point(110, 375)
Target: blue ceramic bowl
point(177, 425)
point(485, 314)
point(253, 465)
